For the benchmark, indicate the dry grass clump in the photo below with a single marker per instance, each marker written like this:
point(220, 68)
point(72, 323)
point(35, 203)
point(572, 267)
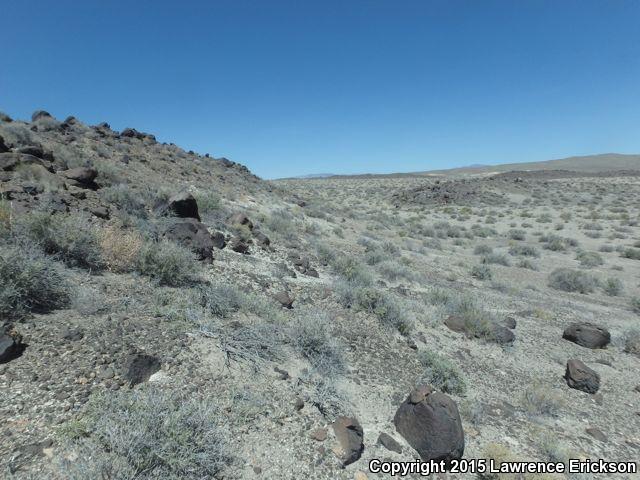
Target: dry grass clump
point(120, 248)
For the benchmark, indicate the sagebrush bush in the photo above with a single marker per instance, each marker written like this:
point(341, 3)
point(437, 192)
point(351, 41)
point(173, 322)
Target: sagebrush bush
point(70, 237)
point(524, 251)
point(496, 258)
point(538, 399)
point(632, 253)
point(125, 198)
point(612, 287)
point(515, 234)
point(30, 282)
point(147, 434)
point(589, 259)
point(635, 305)
point(481, 272)
point(632, 342)
point(569, 280)
point(167, 263)
point(482, 250)
point(477, 320)
point(310, 335)
point(441, 373)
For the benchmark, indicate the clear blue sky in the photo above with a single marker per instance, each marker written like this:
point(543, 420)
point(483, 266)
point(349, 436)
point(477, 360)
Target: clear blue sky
point(296, 87)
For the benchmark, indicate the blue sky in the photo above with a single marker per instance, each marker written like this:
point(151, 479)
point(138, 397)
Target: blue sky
point(295, 87)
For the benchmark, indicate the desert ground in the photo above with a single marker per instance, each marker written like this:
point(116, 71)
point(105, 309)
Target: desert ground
point(166, 314)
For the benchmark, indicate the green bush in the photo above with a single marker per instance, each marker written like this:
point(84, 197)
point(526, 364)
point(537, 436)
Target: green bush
point(442, 374)
point(569, 280)
point(30, 282)
point(167, 263)
point(589, 259)
point(310, 335)
point(613, 287)
point(524, 251)
point(496, 258)
point(71, 238)
point(632, 253)
point(482, 250)
point(125, 198)
point(635, 305)
point(515, 234)
point(632, 342)
point(481, 272)
point(147, 434)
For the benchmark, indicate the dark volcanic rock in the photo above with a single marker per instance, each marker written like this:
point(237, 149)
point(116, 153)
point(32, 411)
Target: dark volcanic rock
point(38, 114)
point(195, 236)
point(34, 150)
point(349, 435)
point(429, 421)
point(10, 346)
point(284, 299)
point(182, 205)
point(240, 246)
point(82, 177)
point(581, 377)
point(503, 335)
point(9, 161)
point(139, 367)
point(587, 335)
point(3, 146)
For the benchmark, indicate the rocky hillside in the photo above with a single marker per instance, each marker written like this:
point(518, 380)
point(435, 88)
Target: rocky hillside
point(168, 315)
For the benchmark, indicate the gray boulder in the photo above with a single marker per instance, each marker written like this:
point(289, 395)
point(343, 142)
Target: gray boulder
point(587, 335)
point(349, 435)
point(581, 377)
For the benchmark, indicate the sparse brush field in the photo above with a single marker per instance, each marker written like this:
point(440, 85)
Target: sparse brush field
point(145, 339)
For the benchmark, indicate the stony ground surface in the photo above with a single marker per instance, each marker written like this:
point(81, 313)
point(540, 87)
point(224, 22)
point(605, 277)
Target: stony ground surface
point(280, 377)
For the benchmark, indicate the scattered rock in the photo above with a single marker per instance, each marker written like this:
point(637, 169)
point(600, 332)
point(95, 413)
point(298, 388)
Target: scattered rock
point(100, 212)
point(261, 239)
point(72, 334)
point(194, 235)
point(284, 375)
point(3, 146)
point(597, 434)
point(284, 299)
point(581, 377)
point(430, 422)
point(349, 435)
point(139, 367)
point(5, 118)
point(587, 335)
point(319, 434)
point(298, 404)
point(503, 335)
point(388, 442)
point(510, 323)
point(240, 246)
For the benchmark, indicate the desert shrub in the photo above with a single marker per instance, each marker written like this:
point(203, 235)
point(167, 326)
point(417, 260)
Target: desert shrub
point(482, 250)
point(632, 342)
point(569, 280)
point(438, 296)
point(147, 434)
point(5, 218)
point(556, 243)
point(384, 306)
point(282, 223)
point(352, 270)
point(477, 320)
point(524, 251)
point(442, 374)
point(120, 248)
point(539, 399)
point(589, 259)
point(481, 272)
point(635, 305)
point(125, 198)
point(496, 258)
point(30, 282)
point(528, 264)
point(544, 218)
point(517, 234)
point(72, 238)
point(167, 263)
point(612, 287)
point(208, 202)
point(393, 271)
point(375, 256)
point(606, 248)
point(632, 253)
point(310, 335)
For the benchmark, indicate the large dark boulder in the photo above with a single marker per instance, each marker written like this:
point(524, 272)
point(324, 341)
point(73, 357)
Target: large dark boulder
point(194, 235)
point(9, 161)
point(581, 377)
point(10, 346)
point(181, 205)
point(139, 367)
point(349, 435)
point(240, 218)
point(587, 335)
point(38, 114)
point(430, 422)
point(3, 146)
point(82, 177)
